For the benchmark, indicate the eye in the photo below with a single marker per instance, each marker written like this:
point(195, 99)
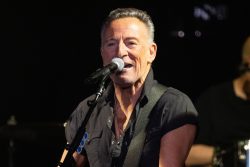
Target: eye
point(109, 44)
point(131, 43)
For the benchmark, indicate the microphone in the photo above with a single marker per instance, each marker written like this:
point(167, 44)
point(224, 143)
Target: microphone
point(116, 64)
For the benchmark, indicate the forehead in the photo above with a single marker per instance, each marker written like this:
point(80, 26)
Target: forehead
point(126, 24)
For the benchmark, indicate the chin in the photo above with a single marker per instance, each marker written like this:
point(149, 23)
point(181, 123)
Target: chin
point(123, 82)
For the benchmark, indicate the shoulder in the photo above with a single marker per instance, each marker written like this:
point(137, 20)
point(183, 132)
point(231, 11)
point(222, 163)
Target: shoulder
point(174, 109)
point(220, 86)
point(79, 112)
point(83, 104)
point(75, 119)
point(217, 90)
point(175, 96)
point(170, 93)
point(176, 102)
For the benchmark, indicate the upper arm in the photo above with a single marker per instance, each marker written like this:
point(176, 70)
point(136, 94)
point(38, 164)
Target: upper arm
point(175, 146)
point(200, 154)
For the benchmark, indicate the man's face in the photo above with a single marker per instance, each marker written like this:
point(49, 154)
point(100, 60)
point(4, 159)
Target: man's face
point(128, 39)
point(246, 52)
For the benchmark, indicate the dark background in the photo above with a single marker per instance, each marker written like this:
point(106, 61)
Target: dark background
point(50, 47)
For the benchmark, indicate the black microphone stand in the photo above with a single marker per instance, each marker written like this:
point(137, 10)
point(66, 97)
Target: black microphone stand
point(67, 159)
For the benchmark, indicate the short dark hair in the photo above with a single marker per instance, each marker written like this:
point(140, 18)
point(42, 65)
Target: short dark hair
point(118, 13)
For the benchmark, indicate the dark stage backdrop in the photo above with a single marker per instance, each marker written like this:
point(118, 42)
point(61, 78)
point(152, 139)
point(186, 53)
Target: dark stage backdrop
point(50, 47)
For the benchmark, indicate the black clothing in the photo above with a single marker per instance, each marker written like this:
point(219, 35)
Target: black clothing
point(223, 119)
point(173, 110)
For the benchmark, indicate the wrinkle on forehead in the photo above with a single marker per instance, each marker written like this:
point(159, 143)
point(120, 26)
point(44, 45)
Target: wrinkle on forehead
point(125, 27)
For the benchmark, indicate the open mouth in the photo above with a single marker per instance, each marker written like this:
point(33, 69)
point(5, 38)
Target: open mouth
point(128, 66)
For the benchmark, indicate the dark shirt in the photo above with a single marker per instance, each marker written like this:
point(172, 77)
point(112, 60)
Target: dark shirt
point(173, 110)
point(223, 120)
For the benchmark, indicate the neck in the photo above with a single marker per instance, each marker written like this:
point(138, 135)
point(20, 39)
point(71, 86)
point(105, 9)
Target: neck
point(125, 101)
point(127, 98)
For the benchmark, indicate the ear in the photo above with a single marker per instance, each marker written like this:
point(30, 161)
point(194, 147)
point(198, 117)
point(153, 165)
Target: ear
point(101, 51)
point(152, 52)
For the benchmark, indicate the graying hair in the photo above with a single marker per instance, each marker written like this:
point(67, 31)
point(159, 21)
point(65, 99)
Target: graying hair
point(130, 12)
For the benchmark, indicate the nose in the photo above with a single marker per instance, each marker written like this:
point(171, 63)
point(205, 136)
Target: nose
point(122, 50)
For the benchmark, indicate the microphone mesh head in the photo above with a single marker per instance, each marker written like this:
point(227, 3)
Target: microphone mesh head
point(119, 62)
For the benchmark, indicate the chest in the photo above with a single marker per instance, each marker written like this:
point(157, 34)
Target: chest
point(103, 146)
point(231, 121)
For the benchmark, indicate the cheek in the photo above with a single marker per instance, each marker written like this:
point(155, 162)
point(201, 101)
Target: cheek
point(106, 58)
point(141, 63)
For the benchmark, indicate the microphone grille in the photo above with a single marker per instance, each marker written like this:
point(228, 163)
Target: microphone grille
point(119, 62)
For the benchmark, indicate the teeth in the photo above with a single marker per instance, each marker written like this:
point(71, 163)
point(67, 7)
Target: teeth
point(128, 65)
